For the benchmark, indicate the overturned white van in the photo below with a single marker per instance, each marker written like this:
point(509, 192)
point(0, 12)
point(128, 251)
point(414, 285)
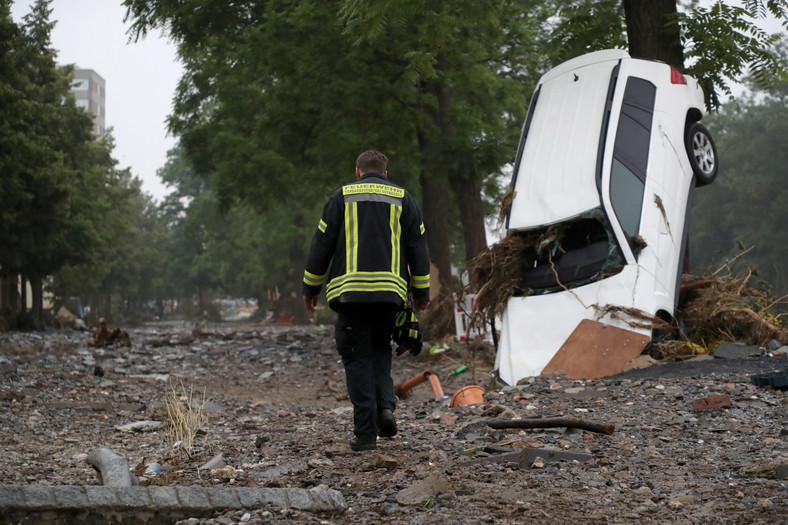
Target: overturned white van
point(611, 150)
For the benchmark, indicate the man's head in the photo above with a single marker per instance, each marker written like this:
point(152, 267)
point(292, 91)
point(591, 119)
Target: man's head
point(371, 160)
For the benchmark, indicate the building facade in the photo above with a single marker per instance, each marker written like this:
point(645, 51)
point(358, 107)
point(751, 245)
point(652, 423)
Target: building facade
point(89, 91)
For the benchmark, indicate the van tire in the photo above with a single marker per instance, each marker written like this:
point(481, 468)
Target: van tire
point(702, 153)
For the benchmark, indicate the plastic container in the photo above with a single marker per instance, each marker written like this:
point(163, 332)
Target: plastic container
point(468, 395)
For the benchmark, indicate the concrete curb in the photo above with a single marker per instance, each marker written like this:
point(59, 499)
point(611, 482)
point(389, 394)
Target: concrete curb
point(65, 504)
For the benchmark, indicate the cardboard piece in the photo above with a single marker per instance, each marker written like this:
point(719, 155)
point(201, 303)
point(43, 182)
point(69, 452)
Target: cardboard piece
point(596, 350)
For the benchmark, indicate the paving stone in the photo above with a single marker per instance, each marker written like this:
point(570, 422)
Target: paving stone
point(100, 496)
point(11, 497)
point(39, 496)
point(224, 498)
point(327, 501)
point(193, 497)
point(70, 497)
point(134, 497)
point(299, 498)
point(275, 497)
point(251, 498)
point(164, 497)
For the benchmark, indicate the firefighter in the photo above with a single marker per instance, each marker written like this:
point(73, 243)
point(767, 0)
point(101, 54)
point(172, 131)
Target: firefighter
point(370, 251)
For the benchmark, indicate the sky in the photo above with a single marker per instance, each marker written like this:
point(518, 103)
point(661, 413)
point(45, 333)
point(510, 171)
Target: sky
point(140, 79)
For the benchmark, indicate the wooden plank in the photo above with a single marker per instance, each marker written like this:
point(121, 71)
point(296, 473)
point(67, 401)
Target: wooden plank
point(596, 350)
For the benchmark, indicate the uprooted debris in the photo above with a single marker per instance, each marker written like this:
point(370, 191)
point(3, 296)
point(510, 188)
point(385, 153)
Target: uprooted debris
point(730, 309)
point(106, 336)
point(526, 261)
point(712, 308)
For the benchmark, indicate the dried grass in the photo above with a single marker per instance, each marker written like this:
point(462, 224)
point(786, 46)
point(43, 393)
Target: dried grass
point(185, 417)
point(732, 309)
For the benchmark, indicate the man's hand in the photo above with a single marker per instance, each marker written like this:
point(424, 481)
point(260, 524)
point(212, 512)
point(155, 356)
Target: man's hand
point(310, 301)
point(421, 305)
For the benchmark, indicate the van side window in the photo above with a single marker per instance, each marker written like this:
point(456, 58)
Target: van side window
point(630, 153)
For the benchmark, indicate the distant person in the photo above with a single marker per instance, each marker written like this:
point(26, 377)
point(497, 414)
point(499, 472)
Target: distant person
point(371, 249)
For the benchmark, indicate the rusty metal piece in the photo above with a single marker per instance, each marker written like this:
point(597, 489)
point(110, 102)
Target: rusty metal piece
point(435, 384)
point(552, 422)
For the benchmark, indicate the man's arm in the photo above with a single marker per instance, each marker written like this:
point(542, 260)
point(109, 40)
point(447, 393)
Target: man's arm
point(418, 256)
point(320, 252)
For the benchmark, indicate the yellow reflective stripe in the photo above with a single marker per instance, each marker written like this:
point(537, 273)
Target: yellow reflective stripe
point(421, 228)
point(351, 237)
point(396, 232)
point(371, 187)
point(322, 226)
point(368, 277)
point(362, 287)
point(312, 279)
point(420, 281)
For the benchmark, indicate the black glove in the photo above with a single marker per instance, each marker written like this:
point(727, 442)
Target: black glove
point(406, 332)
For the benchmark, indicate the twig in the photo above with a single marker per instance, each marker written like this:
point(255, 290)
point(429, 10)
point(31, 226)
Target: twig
point(568, 422)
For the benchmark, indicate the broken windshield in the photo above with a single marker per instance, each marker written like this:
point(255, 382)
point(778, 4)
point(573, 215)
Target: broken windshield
point(570, 254)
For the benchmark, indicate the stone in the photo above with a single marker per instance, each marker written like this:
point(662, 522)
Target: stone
point(728, 350)
point(430, 486)
point(384, 462)
point(711, 402)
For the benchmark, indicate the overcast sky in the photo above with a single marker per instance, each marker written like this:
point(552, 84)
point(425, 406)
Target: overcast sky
point(140, 79)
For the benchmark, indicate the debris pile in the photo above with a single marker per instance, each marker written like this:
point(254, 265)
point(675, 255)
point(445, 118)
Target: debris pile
point(730, 309)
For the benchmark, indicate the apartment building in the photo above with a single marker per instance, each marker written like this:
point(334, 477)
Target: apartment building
point(89, 91)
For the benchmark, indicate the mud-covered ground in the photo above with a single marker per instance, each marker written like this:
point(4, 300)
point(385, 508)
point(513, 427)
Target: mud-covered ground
point(279, 416)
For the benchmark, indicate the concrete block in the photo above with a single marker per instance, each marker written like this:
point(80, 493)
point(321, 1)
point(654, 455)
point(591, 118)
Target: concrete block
point(299, 498)
point(11, 498)
point(250, 498)
point(99, 496)
point(275, 497)
point(39, 496)
point(224, 498)
point(70, 497)
point(327, 501)
point(193, 497)
point(164, 497)
point(133, 497)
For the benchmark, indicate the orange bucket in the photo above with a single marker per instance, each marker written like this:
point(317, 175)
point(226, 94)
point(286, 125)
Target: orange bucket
point(468, 395)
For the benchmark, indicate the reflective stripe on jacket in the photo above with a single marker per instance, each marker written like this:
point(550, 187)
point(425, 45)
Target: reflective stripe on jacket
point(370, 245)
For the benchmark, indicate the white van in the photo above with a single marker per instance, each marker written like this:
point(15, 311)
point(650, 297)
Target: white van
point(611, 150)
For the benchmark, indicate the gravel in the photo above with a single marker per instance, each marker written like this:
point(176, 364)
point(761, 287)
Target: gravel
point(279, 416)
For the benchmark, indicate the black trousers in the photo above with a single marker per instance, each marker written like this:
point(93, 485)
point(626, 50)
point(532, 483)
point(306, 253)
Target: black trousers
point(363, 337)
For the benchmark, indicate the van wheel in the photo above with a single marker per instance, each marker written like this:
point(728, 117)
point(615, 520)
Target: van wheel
point(702, 153)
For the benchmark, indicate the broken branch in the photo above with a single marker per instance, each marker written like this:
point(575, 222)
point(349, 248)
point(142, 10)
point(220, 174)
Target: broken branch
point(553, 422)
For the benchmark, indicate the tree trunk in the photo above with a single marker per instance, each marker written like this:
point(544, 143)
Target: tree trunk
point(652, 31)
point(22, 294)
point(434, 181)
point(468, 193)
point(37, 291)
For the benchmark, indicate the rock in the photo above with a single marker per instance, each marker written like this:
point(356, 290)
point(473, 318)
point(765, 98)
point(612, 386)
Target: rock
point(384, 462)
point(428, 487)
point(728, 350)
point(711, 402)
point(215, 462)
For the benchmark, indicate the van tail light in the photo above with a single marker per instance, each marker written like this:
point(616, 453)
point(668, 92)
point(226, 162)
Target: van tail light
point(676, 77)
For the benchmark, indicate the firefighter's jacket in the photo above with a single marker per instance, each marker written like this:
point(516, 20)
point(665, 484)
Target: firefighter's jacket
point(372, 235)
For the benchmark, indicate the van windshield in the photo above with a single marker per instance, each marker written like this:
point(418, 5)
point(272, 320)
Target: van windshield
point(570, 254)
